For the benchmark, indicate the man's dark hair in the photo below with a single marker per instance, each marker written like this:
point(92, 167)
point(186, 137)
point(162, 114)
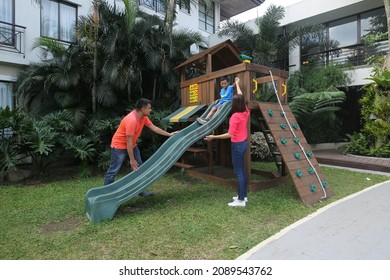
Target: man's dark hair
point(142, 102)
point(224, 78)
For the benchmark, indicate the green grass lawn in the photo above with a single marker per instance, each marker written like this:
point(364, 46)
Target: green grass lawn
point(186, 219)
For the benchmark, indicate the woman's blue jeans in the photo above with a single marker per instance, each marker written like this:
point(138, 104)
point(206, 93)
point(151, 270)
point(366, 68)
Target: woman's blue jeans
point(118, 156)
point(238, 159)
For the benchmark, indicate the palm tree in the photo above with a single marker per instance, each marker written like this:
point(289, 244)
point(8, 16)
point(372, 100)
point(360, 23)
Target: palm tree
point(270, 45)
point(170, 11)
point(131, 55)
point(316, 101)
point(56, 82)
point(115, 44)
point(138, 55)
point(95, 17)
point(114, 50)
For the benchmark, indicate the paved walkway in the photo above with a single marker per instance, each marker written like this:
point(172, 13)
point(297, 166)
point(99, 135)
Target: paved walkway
point(354, 228)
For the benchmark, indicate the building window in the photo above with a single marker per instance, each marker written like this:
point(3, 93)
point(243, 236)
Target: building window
point(156, 5)
point(206, 17)
point(6, 97)
point(373, 22)
point(342, 41)
point(343, 32)
point(6, 100)
point(7, 22)
point(58, 20)
point(184, 6)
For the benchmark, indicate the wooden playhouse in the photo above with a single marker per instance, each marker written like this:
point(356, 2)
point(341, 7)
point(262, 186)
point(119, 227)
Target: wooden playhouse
point(265, 90)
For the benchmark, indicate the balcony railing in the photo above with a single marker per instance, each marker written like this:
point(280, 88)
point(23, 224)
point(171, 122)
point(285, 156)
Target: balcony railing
point(12, 38)
point(354, 55)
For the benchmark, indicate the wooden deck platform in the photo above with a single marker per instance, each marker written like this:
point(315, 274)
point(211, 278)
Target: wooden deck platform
point(335, 157)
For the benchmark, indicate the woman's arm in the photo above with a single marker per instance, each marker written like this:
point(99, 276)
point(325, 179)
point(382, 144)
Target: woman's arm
point(237, 82)
point(220, 136)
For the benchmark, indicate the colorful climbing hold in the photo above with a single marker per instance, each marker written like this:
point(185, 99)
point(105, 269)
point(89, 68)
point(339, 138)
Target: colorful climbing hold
point(282, 114)
point(283, 126)
point(270, 112)
point(296, 140)
point(311, 170)
point(313, 188)
point(283, 140)
point(309, 154)
point(295, 126)
point(299, 173)
point(324, 184)
point(297, 155)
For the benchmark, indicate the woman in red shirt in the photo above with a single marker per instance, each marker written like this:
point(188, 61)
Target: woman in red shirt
point(238, 133)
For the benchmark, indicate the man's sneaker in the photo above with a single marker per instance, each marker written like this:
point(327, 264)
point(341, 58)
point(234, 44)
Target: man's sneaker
point(201, 120)
point(239, 203)
point(236, 197)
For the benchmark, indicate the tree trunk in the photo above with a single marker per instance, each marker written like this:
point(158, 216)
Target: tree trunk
point(95, 54)
point(154, 89)
point(386, 64)
point(169, 16)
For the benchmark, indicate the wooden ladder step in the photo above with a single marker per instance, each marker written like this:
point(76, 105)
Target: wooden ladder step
point(197, 150)
point(184, 165)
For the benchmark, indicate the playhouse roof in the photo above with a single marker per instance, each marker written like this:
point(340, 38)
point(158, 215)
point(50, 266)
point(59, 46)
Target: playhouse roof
point(223, 55)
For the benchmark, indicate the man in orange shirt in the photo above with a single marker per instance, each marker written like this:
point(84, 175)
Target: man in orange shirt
point(124, 141)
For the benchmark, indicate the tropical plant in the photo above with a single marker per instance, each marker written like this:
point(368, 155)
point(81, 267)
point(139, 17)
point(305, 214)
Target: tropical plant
point(317, 79)
point(376, 107)
point(8, 155)
point(386, 63)
point(358, 144)
point(8, 147)
point(132, 51)
point(150, 141)
point(316, 114)
point(136, 54)
point(11, 123)
point(79, 91)
point(269, 46)
point(364, 144)
point(316, 100)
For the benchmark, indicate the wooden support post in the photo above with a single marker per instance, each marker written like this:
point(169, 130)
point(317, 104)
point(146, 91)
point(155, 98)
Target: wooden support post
point(210, 156)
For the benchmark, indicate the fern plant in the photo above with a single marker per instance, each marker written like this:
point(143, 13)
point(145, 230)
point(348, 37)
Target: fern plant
point(376, 107)
point(12, 125)
point(316, 115)
point(358, 144)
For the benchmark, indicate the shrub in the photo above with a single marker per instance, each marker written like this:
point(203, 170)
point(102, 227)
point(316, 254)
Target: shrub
point(149, 142)
point(358, 144)
point(259, 147)
point(364, 144)
point(376, 107)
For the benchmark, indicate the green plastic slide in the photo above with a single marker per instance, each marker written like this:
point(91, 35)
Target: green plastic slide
point(101, 203)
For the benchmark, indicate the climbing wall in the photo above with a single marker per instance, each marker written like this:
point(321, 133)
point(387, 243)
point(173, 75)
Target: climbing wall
point(297, 156)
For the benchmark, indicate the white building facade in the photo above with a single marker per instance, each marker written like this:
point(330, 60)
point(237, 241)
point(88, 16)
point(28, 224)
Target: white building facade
point(23, 21)
point(346, 23)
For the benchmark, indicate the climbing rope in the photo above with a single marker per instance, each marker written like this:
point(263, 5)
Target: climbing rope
point(312, 169)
